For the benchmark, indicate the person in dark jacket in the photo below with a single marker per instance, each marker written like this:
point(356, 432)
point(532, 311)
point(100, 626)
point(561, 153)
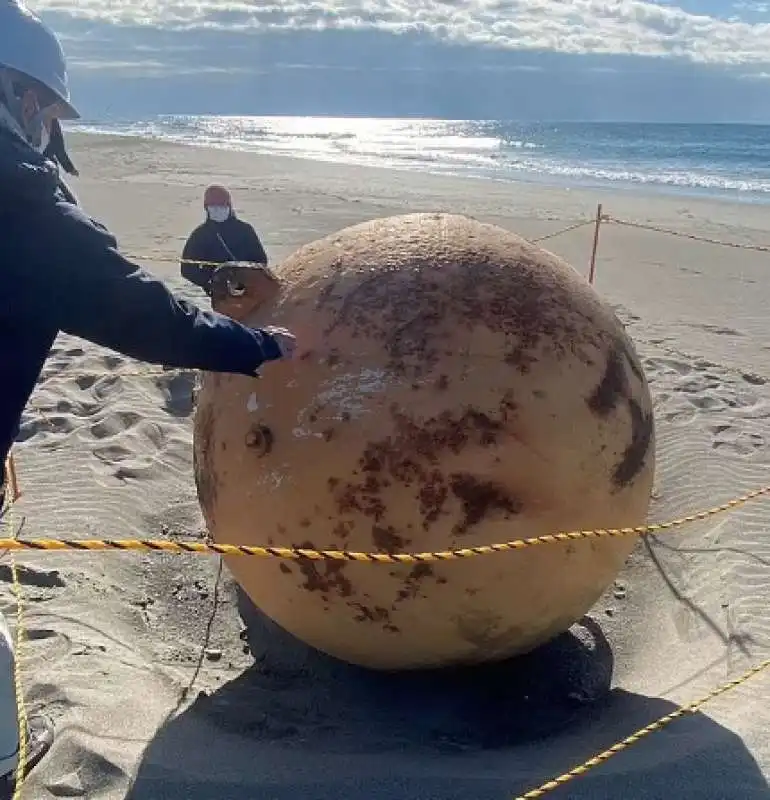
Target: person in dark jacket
point(222, 237)
point(60, 270)
point(56, 151)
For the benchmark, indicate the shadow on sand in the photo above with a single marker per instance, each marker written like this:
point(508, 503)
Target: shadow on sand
point(301, 726)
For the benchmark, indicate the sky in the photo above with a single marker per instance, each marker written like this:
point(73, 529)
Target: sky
point(628, 60)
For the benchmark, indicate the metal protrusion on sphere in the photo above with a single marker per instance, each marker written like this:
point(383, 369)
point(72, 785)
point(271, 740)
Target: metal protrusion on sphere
point(260, 438)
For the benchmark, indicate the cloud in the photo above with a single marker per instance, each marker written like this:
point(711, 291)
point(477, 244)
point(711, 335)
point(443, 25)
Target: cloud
point(752, 6)
point(150, 68)
point(620, 27)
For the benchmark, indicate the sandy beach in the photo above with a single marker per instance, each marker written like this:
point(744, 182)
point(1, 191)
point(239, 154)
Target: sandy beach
point(139, 658)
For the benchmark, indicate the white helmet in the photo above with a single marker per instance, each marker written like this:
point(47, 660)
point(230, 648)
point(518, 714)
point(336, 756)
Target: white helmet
point(30, 47)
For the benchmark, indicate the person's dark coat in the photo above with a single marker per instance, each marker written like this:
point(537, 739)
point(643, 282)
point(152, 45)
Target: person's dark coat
point(56, 151)
point(217, 243)
point(61, 271)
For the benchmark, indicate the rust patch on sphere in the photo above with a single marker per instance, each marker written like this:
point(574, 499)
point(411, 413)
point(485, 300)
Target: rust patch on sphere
point(638, 449)
point(203, 468)
point(407, 309)
point(413, 583)
point(432, 495)
point(481, 499)
point(387, 540)
point(411, 457)
point(374, 615)
point(612, 387)
point(327, 577)
point(615, 389)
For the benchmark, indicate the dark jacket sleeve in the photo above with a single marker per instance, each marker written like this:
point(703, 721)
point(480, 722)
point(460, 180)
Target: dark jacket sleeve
point(195, 250)
point(86, 288)
point(253, 245)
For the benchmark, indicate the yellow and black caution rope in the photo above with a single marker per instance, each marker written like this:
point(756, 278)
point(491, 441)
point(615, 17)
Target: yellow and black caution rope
point(600, 758)
point(296, 553)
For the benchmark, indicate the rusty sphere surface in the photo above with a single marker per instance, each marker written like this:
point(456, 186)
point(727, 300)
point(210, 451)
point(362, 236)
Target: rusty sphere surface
point(455, 386)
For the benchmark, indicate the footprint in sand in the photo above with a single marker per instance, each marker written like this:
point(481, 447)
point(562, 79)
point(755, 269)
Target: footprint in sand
point(54, 645)
point(31, 576)
point(698, 382)
point(85, 382)
point(707, 402)
point(135, 452)
point(719, 330)
point(68, 352)
point(178, 392)
point(115, 423)
point(48, 425)
point(129, 473)
point(113, 453)
point(683, 390)
point(679, 416)
point(95, 776)
point(758, 409)
point(108, 388)
point(77, 409)
point(112, 362)
point(753, 379)
point(667, 365)
point(734, 440)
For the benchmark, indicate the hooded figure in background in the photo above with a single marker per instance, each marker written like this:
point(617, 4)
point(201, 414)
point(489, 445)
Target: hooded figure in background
point(221, 238)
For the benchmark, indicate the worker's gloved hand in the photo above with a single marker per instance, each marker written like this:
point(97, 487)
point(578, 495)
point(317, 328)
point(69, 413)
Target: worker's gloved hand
point(277, 343)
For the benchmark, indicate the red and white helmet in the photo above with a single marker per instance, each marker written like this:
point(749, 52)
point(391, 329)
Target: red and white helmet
point(216, 195)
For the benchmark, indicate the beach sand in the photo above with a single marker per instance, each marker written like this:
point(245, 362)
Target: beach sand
point(139, 658)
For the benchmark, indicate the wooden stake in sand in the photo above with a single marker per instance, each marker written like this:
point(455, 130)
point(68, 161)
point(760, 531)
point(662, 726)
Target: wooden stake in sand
point(13, 479)
point(592, 270)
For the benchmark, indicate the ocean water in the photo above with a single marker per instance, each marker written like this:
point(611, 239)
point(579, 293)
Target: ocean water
point(731, 161)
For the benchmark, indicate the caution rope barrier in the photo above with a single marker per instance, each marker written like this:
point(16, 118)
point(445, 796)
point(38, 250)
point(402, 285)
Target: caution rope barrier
point(760, 248)
point(657, 725)
point(297, 553)
point(580, 223)
point(164, 259)
point(562, 231)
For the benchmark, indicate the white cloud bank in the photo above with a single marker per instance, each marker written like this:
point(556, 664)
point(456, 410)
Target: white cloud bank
point(566, 26)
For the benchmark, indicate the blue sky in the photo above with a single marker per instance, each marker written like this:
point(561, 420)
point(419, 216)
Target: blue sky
point(704, 60)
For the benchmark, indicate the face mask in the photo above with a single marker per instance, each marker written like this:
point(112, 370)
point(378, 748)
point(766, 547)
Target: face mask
point(218, 213)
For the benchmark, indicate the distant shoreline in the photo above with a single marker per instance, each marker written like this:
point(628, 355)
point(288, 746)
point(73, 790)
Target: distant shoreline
point(613, 157)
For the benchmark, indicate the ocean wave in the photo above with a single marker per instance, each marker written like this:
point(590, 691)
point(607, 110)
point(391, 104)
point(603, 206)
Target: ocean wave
point(732, 160)
point(683, 179)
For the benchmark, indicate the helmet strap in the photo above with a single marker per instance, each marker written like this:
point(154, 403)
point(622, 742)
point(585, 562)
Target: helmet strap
point(33, 132)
